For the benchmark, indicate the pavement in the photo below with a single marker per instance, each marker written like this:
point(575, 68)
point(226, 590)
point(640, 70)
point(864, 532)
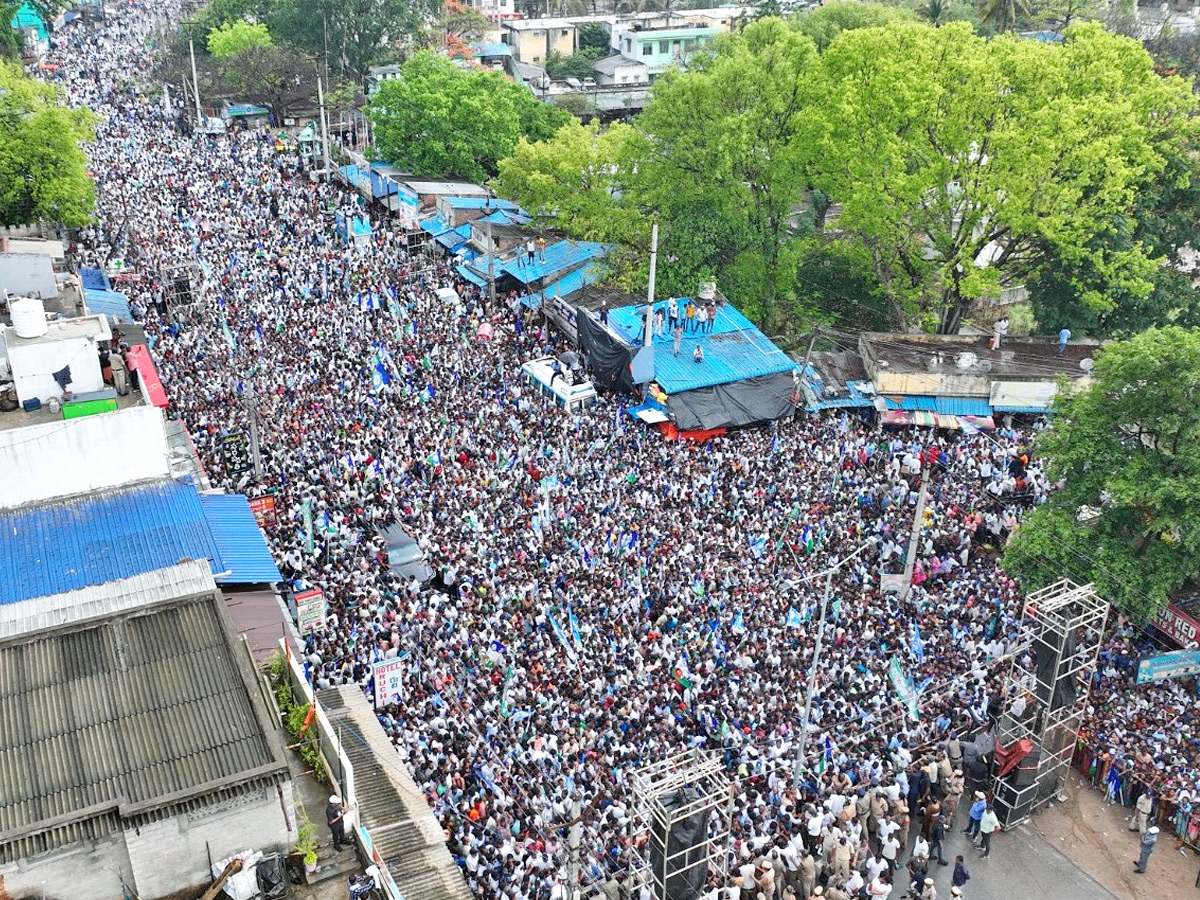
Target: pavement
point(1094, 835)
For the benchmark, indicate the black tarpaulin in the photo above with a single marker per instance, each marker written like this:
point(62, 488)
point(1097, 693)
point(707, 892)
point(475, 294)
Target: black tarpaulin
point(607, 357)
point(737, 404)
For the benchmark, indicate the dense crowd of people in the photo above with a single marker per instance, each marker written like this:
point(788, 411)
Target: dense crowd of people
point(604, 598)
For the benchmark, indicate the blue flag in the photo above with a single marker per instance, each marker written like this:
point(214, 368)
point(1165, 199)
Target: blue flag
point(739, 624)
point(918, 645)
point(794, 619)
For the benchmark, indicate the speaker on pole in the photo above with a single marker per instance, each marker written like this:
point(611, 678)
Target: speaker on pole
point(679, 852)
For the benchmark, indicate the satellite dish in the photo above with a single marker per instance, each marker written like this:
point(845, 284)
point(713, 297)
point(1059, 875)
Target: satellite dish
point(984, 365)
point(1087, 364)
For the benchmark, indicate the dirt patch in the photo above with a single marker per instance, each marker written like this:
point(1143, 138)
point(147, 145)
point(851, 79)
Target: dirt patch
point(1094, 835)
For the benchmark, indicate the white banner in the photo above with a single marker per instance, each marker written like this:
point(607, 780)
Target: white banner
point(388, 683)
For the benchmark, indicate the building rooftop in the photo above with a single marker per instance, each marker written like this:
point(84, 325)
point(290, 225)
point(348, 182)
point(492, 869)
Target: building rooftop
point(1019, 358)
point(610, 64)
point(90, 327)
point(735, 350)
point(134, 713)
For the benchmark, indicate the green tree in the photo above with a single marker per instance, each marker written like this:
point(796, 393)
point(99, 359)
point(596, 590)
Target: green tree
point(438, 120)
point(965, 164)
point(721, 158)
point(236, 38)
point(1127, 451)
point(824, 23)
point(594, 35)
point(1003, 15)
point(573, 180)
point(577, 65)
point(43, 172)
point(352, 36)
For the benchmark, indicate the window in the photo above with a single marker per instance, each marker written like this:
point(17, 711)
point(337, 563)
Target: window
point(664, 46)
point(629, 45)
point(647, 49)
point(564, 33)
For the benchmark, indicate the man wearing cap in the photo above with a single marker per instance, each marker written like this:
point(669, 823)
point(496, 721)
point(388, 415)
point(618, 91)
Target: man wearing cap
point(334, 814)
point(975, 814)
point(929, 890)
point(1149, 839)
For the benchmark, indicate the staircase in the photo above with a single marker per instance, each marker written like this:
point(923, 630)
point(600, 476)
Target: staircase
point(405, 833)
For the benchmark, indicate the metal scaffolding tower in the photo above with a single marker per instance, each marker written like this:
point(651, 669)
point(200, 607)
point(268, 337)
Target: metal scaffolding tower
point(682, 822)
point(1061, 631)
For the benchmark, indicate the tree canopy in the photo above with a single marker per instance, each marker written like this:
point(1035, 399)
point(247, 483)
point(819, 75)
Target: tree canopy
point(1127, 452)
point(966, 164)
point(439, 120)
point(236, 38)
point(43, 171)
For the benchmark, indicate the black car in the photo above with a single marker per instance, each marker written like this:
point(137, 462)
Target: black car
point(405, 556)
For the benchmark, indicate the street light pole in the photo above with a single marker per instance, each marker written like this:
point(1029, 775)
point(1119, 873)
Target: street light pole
point(491, 251)
point(816, 660)
point(195, 81)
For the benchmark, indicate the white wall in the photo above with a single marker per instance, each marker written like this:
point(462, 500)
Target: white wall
point(33, 367)
point(86, 871)
point(75, 456)
point(27, 275)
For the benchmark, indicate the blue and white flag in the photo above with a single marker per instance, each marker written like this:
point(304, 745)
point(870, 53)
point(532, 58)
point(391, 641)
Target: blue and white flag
point(556, 626)
point(758, 544)
point(918, 645)
point(794, 619)
point(967, 426)
point(380, 377)
point(574, 623)
point(739, 623)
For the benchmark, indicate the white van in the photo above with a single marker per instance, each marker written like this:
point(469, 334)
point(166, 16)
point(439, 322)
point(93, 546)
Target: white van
point(553, 380)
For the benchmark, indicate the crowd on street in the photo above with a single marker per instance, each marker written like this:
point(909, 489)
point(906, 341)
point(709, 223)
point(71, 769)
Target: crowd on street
point(603, 598)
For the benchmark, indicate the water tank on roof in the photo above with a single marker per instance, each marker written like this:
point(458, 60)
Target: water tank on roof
point(708, 290)
point(29, 317)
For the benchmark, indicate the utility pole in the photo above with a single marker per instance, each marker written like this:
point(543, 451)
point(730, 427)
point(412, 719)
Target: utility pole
point(255, 454)
point(808, 353)
point(195, 82)
point(324, 130)
point(650, 289)
point(491, 254)
point(816, 660)
point(910, 561)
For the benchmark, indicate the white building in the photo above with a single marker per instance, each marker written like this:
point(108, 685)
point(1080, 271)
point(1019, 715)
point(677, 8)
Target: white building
point(65, 344)
point(620, 69)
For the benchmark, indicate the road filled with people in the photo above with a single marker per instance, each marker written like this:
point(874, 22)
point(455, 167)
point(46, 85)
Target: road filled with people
point(604, 598)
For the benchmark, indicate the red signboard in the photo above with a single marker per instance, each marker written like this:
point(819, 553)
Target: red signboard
point(1178, 626)
point(264, 511)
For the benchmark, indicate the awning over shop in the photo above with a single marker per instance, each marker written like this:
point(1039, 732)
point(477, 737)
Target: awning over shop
point(1023, 396)
point(113, 304)
point(239, 540)
point(138, 359)
point(929, 419)
point(468, 273)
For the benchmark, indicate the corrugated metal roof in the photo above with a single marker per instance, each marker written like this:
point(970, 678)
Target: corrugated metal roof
point(75, 542)
point(468, 273)
point(564, 287)
point(479, 203)
point(734, 351)
point(455, 237)
point(184, 580)
point(239, 540)
point(113, 304)
point(94, 280)
point(560, 257)
point(943, 406)
point(435, 225)
point(127, 712)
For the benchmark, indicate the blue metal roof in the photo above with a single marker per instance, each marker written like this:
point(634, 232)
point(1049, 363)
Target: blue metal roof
point(113, 304)
point(479, 203)
point(733, 351)
point(94, 280)
point(468, 273)
point(240, 541)
point(560, 257)
point(505, 217)
point(70, 544)
point(492, 49)
point(943, 406)
point(859, 394)
point(455, 237)
point(564, 287)
point(435, 225)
